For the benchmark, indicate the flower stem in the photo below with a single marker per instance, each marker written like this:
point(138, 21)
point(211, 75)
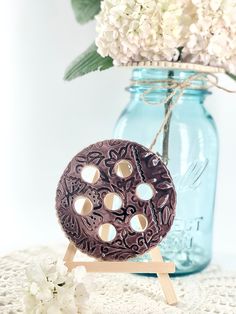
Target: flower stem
point(166, 131)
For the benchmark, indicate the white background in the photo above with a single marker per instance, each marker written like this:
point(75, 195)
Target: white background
point(45, 121)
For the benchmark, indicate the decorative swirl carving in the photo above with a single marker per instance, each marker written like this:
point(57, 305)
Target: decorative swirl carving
point(82, 230)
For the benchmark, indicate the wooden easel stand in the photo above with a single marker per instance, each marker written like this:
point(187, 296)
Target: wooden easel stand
point(157, 265)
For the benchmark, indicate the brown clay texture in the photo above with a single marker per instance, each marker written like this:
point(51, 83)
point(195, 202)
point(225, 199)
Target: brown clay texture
point(159, 211)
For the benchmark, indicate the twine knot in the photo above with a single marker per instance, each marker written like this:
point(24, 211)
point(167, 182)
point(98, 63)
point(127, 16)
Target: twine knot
point(175, 90)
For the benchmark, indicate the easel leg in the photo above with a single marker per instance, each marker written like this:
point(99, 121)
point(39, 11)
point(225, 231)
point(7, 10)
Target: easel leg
point(164, 279)
point(105, 232)
point(70, 253)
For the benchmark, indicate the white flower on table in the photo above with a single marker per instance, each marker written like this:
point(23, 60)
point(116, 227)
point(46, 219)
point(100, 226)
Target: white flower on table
point(52, 289)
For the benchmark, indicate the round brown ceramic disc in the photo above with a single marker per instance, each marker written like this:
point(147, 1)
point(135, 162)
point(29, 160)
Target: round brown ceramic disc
point(116, 200)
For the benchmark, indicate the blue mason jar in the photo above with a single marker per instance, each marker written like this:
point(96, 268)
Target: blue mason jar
point(192, 159)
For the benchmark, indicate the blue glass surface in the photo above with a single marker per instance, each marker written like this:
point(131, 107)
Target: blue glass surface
point(193, 158)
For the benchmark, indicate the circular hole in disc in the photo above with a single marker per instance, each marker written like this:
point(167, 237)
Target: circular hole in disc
point(107, 232)
point(90, 174)
point(144, 191)
point(83, 205)
point(112, 201)
point(139, 223)
point(123, 168)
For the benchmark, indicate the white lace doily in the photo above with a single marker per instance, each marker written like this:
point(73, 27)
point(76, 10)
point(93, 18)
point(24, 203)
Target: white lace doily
point(211, 291)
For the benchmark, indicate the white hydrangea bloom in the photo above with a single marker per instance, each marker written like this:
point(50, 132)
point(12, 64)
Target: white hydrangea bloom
point(53, 290)
point(139, 30)
point(212, 39)
point(154, 30)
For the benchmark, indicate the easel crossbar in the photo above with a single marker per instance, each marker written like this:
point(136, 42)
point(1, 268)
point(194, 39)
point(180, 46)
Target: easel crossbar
point(125, 267)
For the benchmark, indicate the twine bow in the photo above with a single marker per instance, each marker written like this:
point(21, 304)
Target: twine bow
point(176, 89)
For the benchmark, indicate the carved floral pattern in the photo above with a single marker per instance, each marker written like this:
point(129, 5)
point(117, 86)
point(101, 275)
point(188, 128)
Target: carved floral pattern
point(159, 211)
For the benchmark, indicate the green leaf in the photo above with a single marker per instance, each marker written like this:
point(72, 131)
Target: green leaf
point(85, 10)
point(231, 75)
point(88, 61)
